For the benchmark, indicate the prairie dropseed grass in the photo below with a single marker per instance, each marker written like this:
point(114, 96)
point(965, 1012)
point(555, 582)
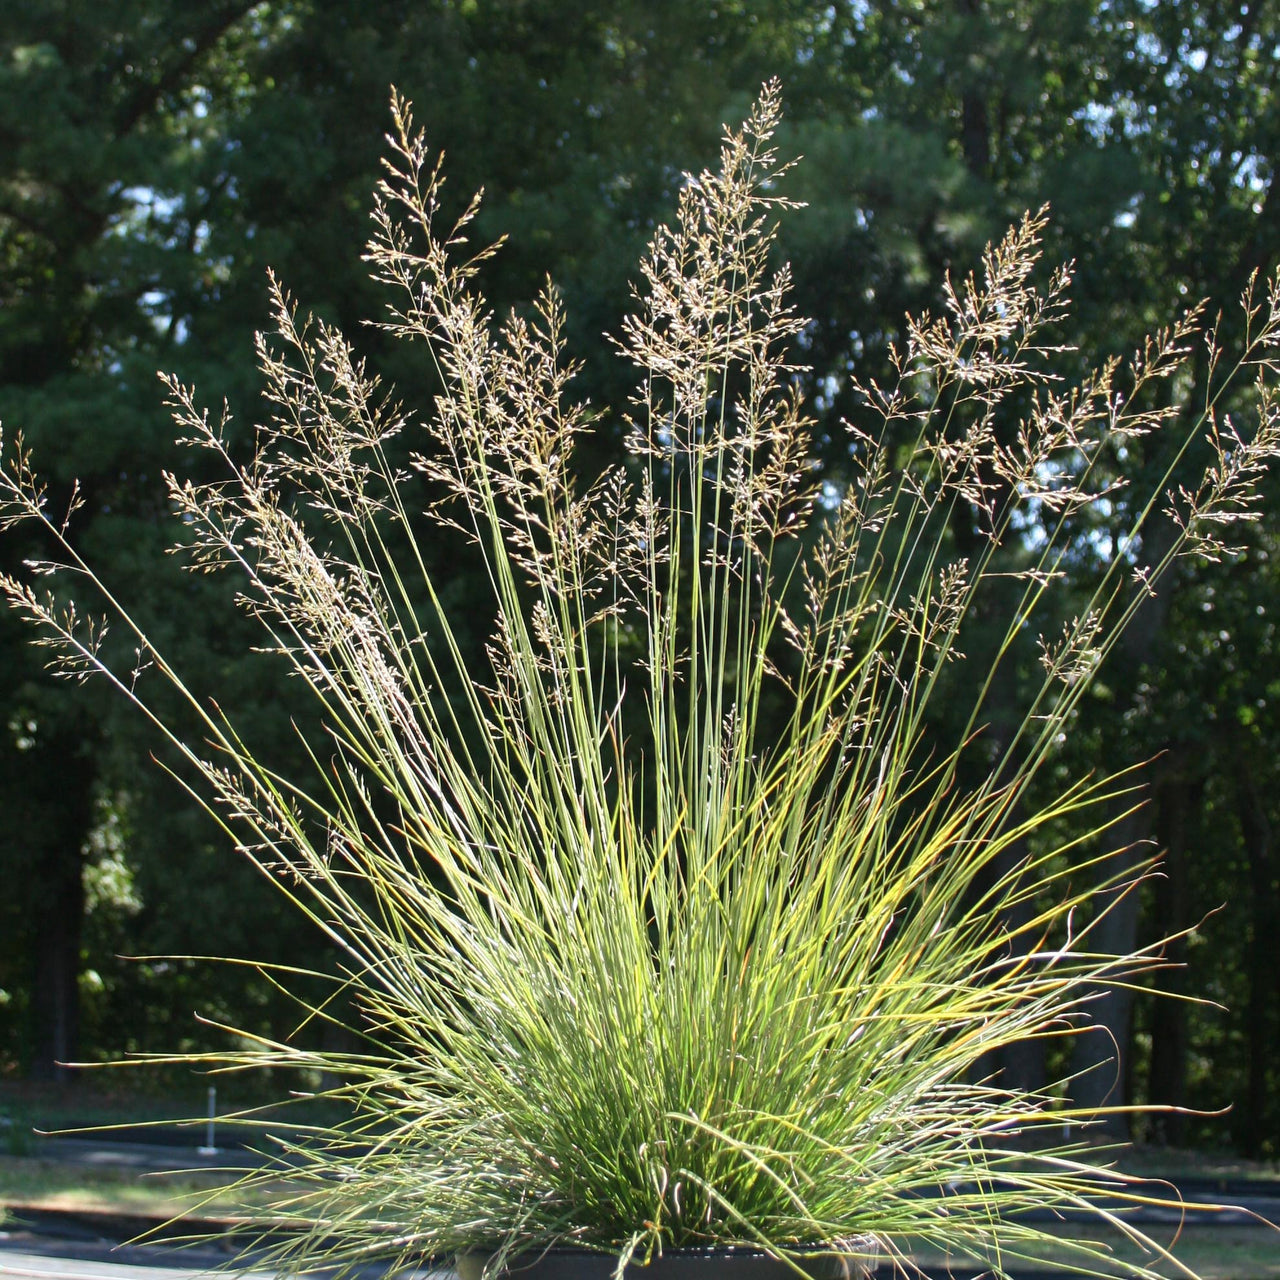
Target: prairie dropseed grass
point(672, 918)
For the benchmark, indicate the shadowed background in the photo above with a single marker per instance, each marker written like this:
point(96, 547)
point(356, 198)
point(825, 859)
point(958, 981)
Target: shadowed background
point(157, 155)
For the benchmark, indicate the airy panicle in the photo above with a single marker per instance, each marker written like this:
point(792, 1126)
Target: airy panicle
point(675, 911)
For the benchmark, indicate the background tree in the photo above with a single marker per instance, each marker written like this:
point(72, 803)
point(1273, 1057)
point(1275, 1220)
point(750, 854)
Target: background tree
point(99, 225)
point(157, 156)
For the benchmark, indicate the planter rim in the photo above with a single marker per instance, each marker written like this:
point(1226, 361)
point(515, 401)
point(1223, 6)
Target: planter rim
point(689, 1262)
point(856, 1245)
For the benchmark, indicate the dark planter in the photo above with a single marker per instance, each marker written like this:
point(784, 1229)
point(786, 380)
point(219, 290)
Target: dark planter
point(674, 1264)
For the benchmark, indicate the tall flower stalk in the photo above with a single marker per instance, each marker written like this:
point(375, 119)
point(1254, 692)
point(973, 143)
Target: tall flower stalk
point(674, 919)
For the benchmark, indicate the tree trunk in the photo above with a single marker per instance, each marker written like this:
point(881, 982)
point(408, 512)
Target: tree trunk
point(1018, 1067)
point(1264, 973)
point(55, 989)
point(1021, 1066)
point(975, 116)
point(1177, 799)
point(1100, 1059)
point(60, 800)
point(1100, 1054)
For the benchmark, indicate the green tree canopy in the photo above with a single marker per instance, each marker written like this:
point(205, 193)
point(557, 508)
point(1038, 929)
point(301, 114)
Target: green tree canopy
point(157, 156)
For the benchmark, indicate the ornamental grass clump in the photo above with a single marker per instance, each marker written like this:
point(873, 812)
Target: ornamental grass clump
point(674, 918)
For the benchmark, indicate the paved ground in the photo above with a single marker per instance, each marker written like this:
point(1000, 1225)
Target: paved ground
point(53, 1258)
point(143, 1156)
point(82, 1246)
point(1249, 1198)
point(44, 1257)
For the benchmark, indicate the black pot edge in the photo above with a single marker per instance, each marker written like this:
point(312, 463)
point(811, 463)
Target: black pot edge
point(702, 1262)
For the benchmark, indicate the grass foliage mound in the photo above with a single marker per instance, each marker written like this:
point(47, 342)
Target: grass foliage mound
point(674, 918)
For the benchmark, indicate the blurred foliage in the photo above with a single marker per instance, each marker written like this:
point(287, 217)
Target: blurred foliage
point(157, 155)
